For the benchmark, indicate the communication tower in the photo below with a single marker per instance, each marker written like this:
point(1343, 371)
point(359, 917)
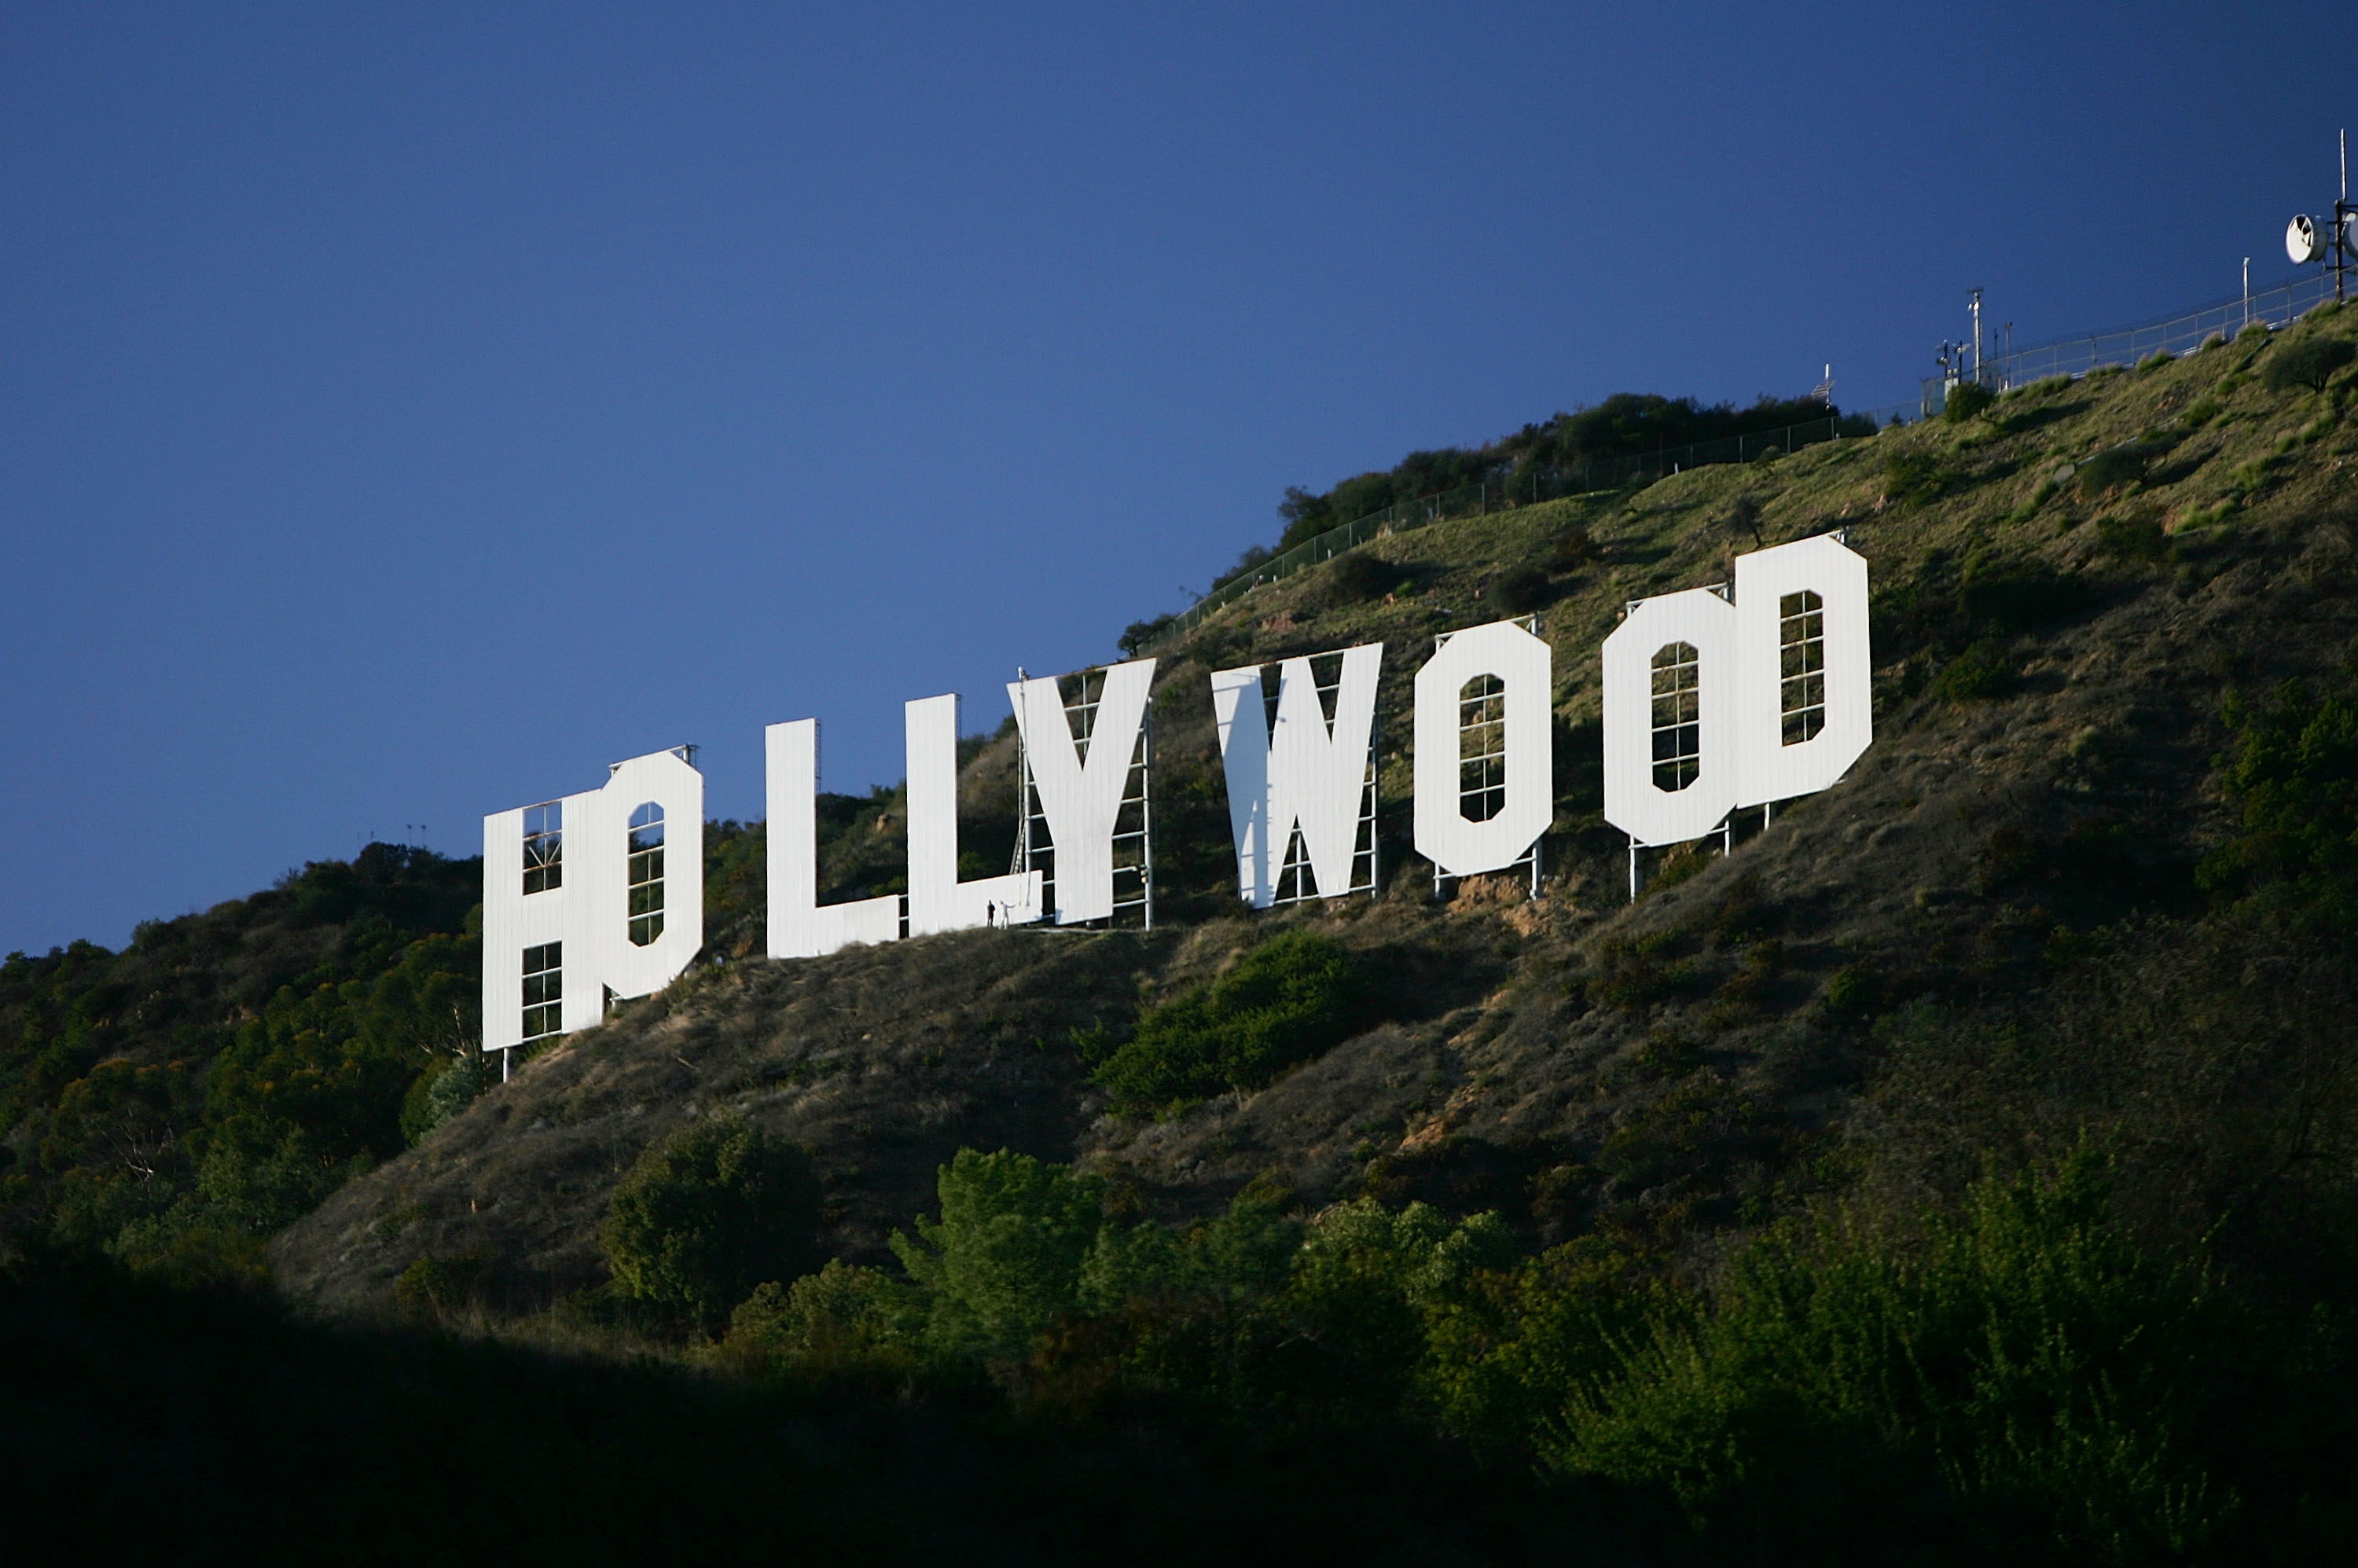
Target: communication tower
point(2333, 244)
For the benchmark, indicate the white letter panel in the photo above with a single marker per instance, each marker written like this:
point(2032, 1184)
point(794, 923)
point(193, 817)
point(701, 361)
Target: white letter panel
point(589, 911)
point(1444, 835)
point(799, 926)
point(1633, 803)
point(664, 779)
point(1307, 776)
point(1769, 769)
point(937, 900)
point(1083, 801)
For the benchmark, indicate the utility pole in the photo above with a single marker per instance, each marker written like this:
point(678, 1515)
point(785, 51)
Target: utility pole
point(2342, 211)
point(1977, 334)
point(2247, 291)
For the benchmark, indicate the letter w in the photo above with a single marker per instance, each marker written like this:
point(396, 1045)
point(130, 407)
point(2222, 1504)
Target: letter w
point(1306, 776)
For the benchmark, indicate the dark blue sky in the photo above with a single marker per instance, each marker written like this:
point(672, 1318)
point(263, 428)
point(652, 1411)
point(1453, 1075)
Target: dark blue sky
point(402, 414)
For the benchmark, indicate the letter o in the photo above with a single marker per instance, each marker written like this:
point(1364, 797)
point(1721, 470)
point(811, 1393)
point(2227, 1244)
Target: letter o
point(1524, 666)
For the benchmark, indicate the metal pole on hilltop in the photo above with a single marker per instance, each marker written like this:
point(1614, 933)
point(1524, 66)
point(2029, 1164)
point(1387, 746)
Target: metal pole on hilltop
point(2342, 211)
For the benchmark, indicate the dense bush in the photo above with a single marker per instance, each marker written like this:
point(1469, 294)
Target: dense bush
point(1005, 1259)
point(2019, 1374)
point(187, 1097)
point(716, 1208)
point(1572, 548)
point(1287, 1001)
point(2112, 468)
point(1626, 424)
point(440, 1093)
point(1966, 400)
point(2133, 535)
point(1915, 476)
point(2026, 1362)
point(1982, 671)
point(1139, 633)
point(139, 1424)
point(437, 1289)
point(1357, 576)
point(2292, 769)
point(1521, 590)
point(2308, 363)
point(2012, 595)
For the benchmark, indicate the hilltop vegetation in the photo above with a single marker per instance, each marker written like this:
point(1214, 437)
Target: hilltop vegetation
point(1963, 1166)
point(1628, 423)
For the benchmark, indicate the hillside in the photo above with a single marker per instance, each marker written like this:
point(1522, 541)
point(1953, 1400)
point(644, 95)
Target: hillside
point(2052, 656)
point(1783, 1196)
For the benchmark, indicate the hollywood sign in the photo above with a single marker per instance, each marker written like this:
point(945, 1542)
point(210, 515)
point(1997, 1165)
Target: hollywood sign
point(1714, 699)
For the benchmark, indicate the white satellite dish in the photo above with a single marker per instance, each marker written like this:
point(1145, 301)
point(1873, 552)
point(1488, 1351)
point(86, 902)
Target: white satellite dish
point(2303, 242)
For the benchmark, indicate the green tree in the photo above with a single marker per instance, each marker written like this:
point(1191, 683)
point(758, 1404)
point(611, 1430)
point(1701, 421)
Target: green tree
point(713, 1210)
point(1005, 1259)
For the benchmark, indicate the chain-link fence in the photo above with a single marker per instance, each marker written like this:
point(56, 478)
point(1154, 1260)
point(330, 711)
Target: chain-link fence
point(2079, 354)
point(2072, 356)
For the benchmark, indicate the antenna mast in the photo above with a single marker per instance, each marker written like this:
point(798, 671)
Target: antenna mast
point(2337, 249)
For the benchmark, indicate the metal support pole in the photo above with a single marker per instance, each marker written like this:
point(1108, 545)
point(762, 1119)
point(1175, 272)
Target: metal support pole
point(2340, 216)
point(505, 1056)
point(1633, 870)
point(1146, 811)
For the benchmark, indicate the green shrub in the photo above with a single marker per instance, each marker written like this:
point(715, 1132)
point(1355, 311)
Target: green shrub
point(1139, 633)
point(442, 1093)
point(842, 1318)
point(1967, 400)
point(2157, 360)
point(2112, 468)
point(1852, 991)
point(436, 1288)
point(1914, 476)
point(713, 1210)
point(1572, 550)
point(1981, 672)
point(1357, 576)
point(1521, 590)
point(2308, 363)
point(1742, 524)
point(1683, 864)
point(2026, 1362)
point(2134, 535)
point(1509, 1350)
point(1291, 999)
point(1004, 1259)
point(2014, 596)
point(1637, 972)
point(2292, 772)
